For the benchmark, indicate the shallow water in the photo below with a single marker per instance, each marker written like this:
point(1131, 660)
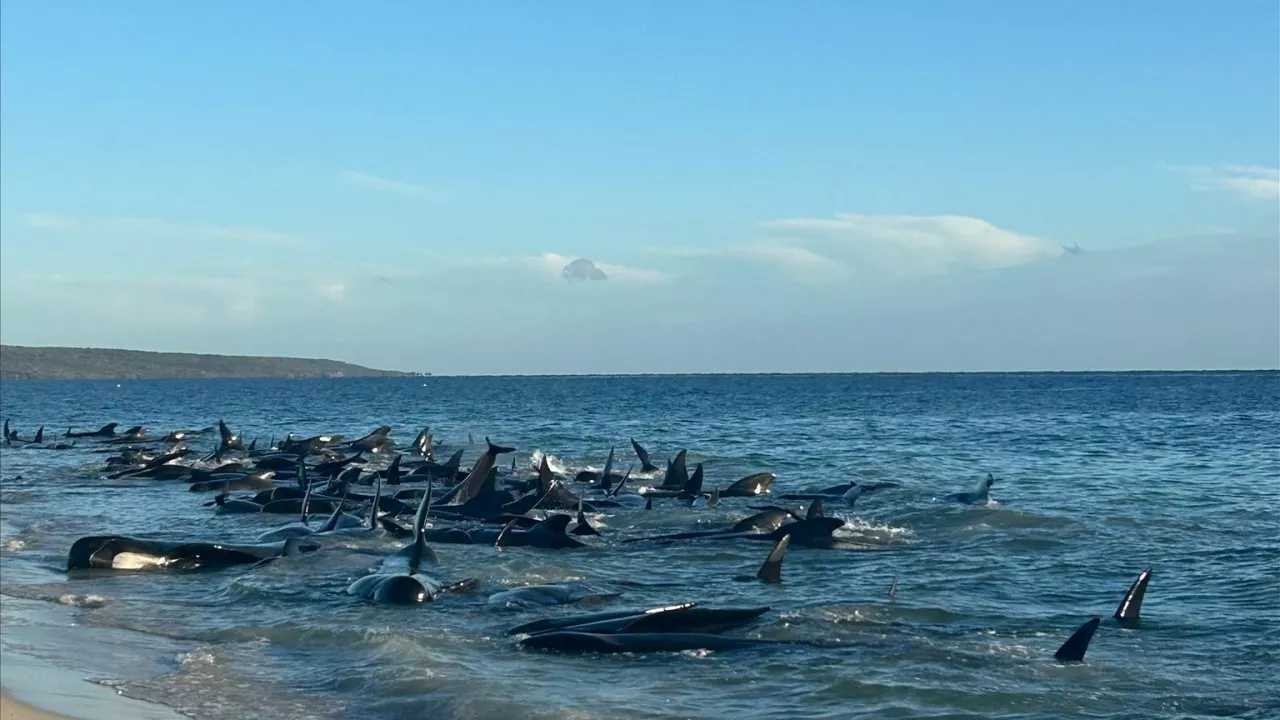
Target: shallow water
point(1099, 476)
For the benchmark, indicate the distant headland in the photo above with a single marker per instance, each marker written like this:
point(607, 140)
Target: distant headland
point(18, 362)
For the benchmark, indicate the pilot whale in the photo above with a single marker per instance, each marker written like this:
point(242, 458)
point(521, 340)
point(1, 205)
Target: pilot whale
point(118, 552)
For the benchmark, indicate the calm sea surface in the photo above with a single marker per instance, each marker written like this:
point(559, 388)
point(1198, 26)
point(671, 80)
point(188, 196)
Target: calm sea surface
point(1099, 476)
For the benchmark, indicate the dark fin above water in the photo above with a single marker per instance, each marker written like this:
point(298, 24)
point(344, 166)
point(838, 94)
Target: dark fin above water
point(677, 472)
point(332, 523)
point(377, 495)
point(1074, 648)
point(816, 510)
point(39, 438)
point(893, 587)
point(693, 487)
point(648, 503)
point(1131, 606)
point(497, 450)
point(393, 471)
point(618, 488)
point(645, 464)
point(583, 527)
point(771, 570)
point(501, 541)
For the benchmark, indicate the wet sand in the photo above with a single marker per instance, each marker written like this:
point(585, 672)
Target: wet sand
point(11, 709)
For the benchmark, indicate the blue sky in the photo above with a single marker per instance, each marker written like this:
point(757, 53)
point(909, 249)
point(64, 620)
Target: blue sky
point(815, 186)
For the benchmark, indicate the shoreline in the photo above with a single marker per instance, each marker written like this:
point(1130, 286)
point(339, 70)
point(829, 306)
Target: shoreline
point(34, 689)
point(11, 709)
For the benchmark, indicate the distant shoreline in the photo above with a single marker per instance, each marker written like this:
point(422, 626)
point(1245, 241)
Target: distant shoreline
point(18, 362)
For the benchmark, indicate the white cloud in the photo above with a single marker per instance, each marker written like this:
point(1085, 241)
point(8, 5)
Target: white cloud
point(622, 273)
point(1252, 182)
point(373, 182)
point(912, 243)
point(831, 249)
point(331, 291)
point(154, 226)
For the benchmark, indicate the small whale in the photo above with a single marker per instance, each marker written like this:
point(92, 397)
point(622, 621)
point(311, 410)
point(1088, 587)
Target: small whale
point(979, 496)
point(118, 552)
point(750, 486)
point(550, 594)
point(107, 430)
point(473, 484)
point(548, 534)
point(567, 641)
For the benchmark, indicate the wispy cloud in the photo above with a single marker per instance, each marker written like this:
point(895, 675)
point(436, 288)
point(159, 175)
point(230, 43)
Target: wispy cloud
point(1251, 182)
point(381, 184)
point(154, 226)
point(919, 242)
point(830, 249)
point(336, 292)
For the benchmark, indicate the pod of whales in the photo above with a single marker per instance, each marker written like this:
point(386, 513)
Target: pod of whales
point(485, 504)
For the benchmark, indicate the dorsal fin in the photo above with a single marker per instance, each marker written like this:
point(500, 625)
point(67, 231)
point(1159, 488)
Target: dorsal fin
point(1074, 648)
point(893, 586)
point(642, 454)
point(618, 488)
point(1131, 606)
point(583, 527)
point(545, 476)
point(715, 498)
point(693, 487)
point(393, 471)
point(771, 570)
point(420, 548)
point(424, 509)
point(648, 503)
point(377, 497)
point(608, 468)
point(332, 523)
point(306, 488)
point(816, 510)
point(39, 438)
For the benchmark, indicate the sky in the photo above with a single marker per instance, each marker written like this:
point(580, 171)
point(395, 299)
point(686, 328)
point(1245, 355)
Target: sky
point(580, 187)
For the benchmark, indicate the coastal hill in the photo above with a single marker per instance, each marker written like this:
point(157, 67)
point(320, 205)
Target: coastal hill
point(63, 363)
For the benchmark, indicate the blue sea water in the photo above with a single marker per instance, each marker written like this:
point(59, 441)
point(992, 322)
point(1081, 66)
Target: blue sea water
point(1099, 476)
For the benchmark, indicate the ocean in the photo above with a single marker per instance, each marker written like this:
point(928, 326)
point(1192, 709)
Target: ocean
point(1099, 476)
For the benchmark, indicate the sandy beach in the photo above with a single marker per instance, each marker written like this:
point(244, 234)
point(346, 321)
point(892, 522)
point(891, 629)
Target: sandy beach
point(11, 709)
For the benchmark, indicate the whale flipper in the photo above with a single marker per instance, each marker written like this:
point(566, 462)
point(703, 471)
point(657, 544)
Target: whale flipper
point(1131, 606)
point(771, 571)
point(1074, 648)
point(645, 464)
